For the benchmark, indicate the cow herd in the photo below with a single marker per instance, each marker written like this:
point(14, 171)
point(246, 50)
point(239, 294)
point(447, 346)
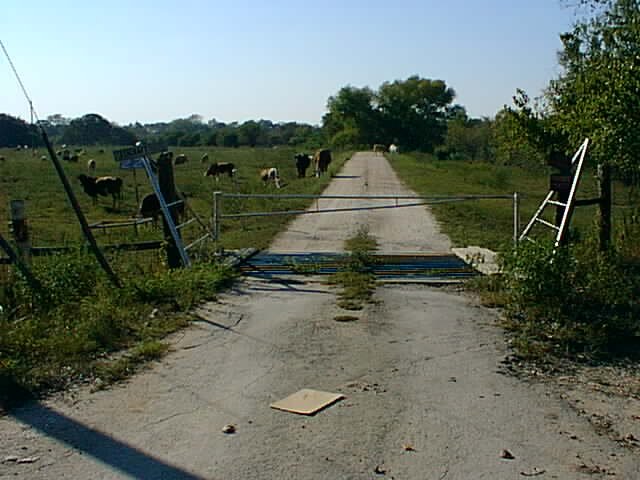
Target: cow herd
point(149, 206)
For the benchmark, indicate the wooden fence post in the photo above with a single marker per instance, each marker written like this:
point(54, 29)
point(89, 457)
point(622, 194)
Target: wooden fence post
point(24, 269)
point(604, 189)
point(217, 197)
point(20, 229)
point(166, 183)
point(88, 235)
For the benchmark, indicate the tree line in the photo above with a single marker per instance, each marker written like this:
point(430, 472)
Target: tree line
point(595, 96)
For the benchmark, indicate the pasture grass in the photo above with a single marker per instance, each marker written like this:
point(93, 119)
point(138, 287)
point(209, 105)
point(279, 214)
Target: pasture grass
point(73, 329)
point(489, 223)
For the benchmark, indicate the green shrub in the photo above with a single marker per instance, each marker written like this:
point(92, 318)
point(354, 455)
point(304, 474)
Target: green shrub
point(576, 301)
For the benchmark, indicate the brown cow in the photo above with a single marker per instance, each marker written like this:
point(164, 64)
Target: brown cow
point(379, 148)
point(321, 161)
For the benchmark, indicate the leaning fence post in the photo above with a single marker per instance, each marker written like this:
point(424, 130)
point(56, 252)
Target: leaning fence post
point(516, 217)
point(20, 229)
point(217, 198)
point(24, 269)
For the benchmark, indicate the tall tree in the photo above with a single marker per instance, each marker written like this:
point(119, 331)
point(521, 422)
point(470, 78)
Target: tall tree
point(414, 111)
point(597, 94)
point(15, 131)
point(352, 114)
point(92, 129)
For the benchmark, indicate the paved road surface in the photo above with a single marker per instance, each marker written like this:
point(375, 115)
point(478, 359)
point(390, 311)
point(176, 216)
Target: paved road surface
point(425, 394)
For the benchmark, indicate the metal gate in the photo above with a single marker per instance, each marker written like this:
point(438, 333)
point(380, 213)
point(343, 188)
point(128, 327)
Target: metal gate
point(400, 202)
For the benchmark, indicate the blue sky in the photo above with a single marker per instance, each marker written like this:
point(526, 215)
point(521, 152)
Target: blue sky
point(237, 60)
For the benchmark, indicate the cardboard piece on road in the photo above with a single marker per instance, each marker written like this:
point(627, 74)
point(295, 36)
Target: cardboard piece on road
point(307, 401)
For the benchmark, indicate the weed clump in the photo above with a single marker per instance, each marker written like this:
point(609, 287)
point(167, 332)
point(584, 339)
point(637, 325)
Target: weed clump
point(577, 302)
point(68, 331)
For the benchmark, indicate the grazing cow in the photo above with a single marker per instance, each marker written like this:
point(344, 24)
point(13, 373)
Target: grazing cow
point(321, 161)
point(94, 186)
point(218, 169)
point(270, 174)
point(150, 208)
point(74, 158)
point(302, 163)
point(2, 159)
point(180, 159)
point(44, 158)
point(379, 148)
point(393, 148)
point(204, 158)
point(91, 166)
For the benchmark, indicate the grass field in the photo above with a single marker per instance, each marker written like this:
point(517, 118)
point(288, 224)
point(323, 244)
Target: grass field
point(489, 223)
point(52, 221)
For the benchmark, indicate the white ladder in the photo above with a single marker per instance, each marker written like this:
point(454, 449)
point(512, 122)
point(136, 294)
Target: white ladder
point(577, 162)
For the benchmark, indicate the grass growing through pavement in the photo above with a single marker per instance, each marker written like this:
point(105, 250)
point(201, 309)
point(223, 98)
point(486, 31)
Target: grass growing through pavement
point(354, 278)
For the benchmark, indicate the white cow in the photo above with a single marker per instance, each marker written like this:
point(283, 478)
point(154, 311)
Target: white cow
point(393, 148)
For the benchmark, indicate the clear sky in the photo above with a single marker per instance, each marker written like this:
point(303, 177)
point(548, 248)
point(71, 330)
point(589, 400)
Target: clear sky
point(235, 60)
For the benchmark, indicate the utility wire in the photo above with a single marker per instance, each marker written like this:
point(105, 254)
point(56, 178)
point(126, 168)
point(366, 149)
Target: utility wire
point(15, 72)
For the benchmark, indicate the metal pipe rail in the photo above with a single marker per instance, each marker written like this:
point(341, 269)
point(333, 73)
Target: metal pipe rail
point(218, 215)
point(326, 210)
point(365, 197)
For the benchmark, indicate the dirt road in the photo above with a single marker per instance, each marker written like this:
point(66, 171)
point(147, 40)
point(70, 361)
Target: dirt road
point(426, 397)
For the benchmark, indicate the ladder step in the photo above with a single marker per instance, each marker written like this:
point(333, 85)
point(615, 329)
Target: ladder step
point(185, 223)
point(548, 224)
point(175, 203)
point(555, 202)
point(195, 242)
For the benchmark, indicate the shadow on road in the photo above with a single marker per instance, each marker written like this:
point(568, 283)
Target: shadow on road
point(101, 446)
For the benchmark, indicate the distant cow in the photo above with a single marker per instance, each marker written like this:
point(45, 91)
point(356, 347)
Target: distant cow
point(379, 148)
point(321, 161)
point(94, 186)
point(204, 158)
point(270, 174)
point(218, 169)
point(91, 166)
point(393, 148)
point(150, 208)
point(44, 158)
point(302, 163)
point(2, 159)
point(180, 159)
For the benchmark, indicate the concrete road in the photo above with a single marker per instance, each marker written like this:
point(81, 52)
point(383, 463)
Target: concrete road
point(426, 397)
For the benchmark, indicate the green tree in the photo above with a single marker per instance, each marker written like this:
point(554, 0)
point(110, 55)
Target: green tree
point(414, 111)
point(15, 131)
point(352, 114)
point(468, 138)
point(597, 94)
point(92, 129)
